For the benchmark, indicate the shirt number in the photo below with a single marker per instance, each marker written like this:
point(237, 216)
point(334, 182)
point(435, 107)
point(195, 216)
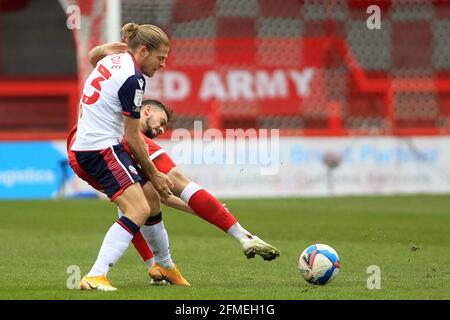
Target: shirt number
point(104, 75)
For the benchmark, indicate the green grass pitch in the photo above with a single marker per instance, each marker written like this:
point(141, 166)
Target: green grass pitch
point(408, 237)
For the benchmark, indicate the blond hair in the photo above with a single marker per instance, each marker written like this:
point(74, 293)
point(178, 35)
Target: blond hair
point(148, 35)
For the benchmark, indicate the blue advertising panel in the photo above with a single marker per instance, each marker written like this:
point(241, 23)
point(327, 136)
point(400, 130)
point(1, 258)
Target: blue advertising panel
point(32, 170)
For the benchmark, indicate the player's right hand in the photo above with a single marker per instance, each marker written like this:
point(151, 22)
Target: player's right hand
point(162, 184)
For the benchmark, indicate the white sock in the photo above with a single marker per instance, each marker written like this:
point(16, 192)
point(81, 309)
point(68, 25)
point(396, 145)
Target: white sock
point(158, 239)
point(150, 262)
point(114, 244)
point(239, 233)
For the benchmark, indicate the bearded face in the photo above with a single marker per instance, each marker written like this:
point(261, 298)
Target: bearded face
point(155, 124)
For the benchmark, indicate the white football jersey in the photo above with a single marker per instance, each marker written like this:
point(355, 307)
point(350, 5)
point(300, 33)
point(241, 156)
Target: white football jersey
point(113, 89)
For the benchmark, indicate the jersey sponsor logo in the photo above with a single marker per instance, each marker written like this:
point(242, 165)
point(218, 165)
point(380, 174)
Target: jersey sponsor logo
point(138, 100)
point(141, 82)
point(132, 169)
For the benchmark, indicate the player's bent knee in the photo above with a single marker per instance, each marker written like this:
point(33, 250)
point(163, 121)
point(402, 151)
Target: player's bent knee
point(155, 209)
point(137, 211)
point(180, 181)
point(145, 210)
point(153, 198)
point(140, 214)
point(136, 214)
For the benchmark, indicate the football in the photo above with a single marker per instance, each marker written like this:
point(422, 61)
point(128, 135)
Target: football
point(319, 264)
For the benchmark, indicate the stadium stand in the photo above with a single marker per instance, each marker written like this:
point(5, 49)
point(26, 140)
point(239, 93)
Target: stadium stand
point(391, 81)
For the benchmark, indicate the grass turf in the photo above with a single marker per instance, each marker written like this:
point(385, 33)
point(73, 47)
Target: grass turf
point(406, 236)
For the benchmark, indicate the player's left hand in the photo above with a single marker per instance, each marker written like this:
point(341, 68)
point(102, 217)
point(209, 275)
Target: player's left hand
point(162, 184)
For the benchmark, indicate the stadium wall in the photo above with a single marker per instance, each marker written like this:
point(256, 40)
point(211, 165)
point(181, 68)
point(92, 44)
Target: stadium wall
point(311, 69)
point(284, 167)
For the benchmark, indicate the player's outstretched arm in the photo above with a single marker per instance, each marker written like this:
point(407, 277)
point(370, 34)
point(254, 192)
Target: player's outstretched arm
point(99, 52)
point(138, 148)
point(177, 203)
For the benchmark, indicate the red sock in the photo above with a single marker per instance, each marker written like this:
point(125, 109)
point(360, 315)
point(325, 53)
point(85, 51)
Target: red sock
point(210, 209)
point(142, 246)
